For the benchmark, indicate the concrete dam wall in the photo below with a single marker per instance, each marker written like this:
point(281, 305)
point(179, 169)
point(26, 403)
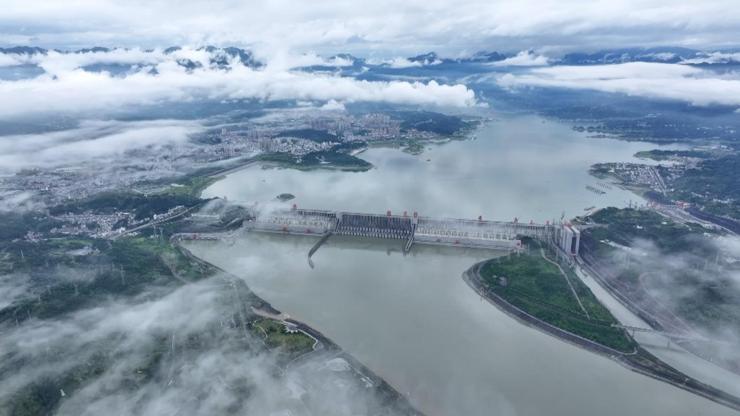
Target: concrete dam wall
point(411, 229)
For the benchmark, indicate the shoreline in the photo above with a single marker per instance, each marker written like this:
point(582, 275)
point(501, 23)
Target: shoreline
point(637, 361)
point(625, 359)
point(729, 225)
point(392, 143)
point(325, 344)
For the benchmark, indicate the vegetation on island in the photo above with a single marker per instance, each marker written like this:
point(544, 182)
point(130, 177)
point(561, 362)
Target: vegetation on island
point(413, 147)
point(284, 197)
point(534, 283)
point(432, 122)
point(191, 185)
point(335, 159)
point(319, 136)
point(325, 159)
point(661, 155)
point(290, 342)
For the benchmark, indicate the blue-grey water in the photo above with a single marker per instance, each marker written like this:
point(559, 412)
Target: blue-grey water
point(523, 167)
point(412, 319)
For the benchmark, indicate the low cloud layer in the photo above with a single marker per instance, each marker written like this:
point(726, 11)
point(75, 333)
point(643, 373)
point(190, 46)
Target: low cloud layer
point(156, 78)
point(650, 80)
point(524, 58)
point(715, 58)
point(690, 292)
point(401, 63)
point(379, 25)
point(92, 141)
point(54, 62)
point(170, 353)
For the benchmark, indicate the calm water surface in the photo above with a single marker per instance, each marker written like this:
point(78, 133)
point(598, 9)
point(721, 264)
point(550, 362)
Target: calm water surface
point(523, 167)
point(412, 319)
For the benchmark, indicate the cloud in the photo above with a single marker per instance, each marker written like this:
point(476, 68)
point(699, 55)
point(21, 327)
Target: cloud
point(286, 60)
point(692, 292)
point(67, 89)
point(55, 63)
point(14, 286)
point(729, 246)
point(378, 25)
point(333, 105)
point(401, 63)
point(524, 58)
point(12, 59)
point(173, 352)
point(18, 201)
point(651, 80)
point(91, 141)
point(714, 58)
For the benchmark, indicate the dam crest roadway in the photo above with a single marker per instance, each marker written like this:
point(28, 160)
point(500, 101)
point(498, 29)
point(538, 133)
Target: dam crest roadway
point(411, 229)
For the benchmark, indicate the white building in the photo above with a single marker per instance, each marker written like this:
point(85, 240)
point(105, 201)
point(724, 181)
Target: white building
point(570, 239)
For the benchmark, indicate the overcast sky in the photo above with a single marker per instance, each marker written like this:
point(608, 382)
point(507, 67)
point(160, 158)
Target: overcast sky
point(376, 27)
point(288, 33)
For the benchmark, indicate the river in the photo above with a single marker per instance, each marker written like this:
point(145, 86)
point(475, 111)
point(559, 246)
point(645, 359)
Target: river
point(524, 167)
point(412, 319)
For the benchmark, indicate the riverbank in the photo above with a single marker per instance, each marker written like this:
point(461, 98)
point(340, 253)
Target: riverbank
point(639, 361)
point(329, 350)
point(539, 285)
point(342, 157)
point(411, 297)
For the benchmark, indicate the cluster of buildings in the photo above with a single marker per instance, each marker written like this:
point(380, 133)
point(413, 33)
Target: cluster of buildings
point(268, 135)
point(94, 225)
point(635, 174)
point(146, 170)
point(293, 145)
point(57, 185)
point(105, 225)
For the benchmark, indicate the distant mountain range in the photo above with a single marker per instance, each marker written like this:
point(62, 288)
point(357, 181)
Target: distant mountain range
point(484, 56)
point(673, 55)
point(224, 57)
point(218, 57)
point(617, 56)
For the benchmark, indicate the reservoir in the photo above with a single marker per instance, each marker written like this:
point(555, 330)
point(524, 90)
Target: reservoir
point(525, 167)
point(412, 319)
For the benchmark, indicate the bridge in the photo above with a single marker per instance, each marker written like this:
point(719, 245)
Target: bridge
point(694, 337)
point(412, 229)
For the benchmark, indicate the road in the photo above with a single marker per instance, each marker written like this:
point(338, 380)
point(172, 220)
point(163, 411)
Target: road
point(156, 222)
point(567, 280)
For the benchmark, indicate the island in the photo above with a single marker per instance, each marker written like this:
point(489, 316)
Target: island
point(284, 197)
point(538, 289)
point(541, 290)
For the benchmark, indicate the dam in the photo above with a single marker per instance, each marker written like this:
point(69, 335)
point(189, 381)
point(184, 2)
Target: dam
point(411, 229)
